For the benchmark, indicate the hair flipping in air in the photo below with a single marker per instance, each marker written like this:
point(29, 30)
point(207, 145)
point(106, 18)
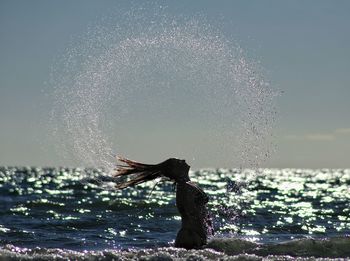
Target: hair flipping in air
point(139, 172)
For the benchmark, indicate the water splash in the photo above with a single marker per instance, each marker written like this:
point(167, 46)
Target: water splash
point(155, 86)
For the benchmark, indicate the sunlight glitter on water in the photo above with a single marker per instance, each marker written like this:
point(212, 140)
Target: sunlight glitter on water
point(276, 205)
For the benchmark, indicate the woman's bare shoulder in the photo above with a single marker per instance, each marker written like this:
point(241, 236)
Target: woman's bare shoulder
point(200, 194)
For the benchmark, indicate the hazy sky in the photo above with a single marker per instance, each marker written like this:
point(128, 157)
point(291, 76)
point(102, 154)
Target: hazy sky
point(304, 46)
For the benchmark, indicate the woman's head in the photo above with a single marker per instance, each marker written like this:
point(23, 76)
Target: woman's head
point(174, 169)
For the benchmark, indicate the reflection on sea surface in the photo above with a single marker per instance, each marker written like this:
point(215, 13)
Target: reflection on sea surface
point(80, 209)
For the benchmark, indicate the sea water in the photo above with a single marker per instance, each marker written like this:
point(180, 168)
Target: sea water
point(77, 213)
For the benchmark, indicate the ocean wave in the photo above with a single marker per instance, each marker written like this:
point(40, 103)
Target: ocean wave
point(327, 247)
point(217, 249)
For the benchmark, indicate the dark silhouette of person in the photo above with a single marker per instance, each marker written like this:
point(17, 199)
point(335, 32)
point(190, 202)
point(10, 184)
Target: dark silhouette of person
point(191, 200)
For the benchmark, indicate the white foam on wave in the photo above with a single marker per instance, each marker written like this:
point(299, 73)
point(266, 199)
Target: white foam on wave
point(218, 249)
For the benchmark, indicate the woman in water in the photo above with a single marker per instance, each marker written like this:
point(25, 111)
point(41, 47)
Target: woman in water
point(190, 199)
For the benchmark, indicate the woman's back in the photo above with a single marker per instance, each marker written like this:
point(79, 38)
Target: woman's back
point(191, 202)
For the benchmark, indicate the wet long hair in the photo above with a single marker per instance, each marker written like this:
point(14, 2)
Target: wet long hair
point(139, 172)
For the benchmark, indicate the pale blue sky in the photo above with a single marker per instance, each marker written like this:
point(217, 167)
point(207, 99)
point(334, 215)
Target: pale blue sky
point(304, 46)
